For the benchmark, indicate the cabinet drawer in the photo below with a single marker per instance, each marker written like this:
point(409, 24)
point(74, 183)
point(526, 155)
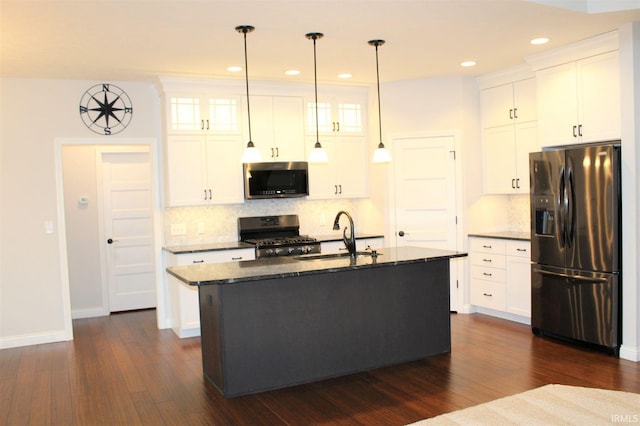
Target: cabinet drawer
point(216, 256)
point(488, 274)
point(519, 248)
point(488, 294)
point(488, 245)
point(489, 260)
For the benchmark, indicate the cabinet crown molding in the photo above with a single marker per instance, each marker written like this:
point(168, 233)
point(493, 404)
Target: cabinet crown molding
point(507, 76)
point(597, 45)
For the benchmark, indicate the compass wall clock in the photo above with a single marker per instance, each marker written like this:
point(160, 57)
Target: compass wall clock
point(106, 109)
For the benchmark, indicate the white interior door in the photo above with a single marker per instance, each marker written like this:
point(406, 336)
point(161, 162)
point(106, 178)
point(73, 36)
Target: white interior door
point(127, 217)
point(424, 184)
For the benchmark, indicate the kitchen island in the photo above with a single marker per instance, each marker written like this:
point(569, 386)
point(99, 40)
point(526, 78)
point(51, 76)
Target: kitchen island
point(278, 322)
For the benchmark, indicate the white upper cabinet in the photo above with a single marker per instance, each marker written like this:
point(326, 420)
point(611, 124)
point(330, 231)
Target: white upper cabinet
point(580, 101)
point(345, 175)
point(191, 113)
point(338, 114)
point(203, 170)
point(579, 91)
point(509, 134)
point(508, 103)
point(277, 127)
point(342, 129)
point(505, 157)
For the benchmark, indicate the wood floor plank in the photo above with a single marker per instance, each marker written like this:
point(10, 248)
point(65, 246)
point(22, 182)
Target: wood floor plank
point(121, 369)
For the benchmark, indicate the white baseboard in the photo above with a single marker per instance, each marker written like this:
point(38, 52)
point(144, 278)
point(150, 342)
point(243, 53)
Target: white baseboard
point(34, 339)
point(630, 353)
point(89, 313)
point(504, 315)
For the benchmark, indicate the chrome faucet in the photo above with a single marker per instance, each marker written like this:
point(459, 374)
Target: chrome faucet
point(349, 242)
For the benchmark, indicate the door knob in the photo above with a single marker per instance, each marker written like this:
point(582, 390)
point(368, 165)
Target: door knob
point(110, 241)
point(401, 233)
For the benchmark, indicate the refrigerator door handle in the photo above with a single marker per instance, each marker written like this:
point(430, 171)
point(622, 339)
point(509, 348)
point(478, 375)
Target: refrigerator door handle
point(571, 208)
point(573, 277)
point(561, 209)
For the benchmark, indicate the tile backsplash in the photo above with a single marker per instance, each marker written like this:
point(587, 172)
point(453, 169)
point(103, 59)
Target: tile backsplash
point(219, 223)
point(519, 214)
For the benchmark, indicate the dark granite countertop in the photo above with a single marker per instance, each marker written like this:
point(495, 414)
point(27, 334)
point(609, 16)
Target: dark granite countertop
point(291, 266)
point(506, 235)
point(337, 236)
point(196, 248)
point(232, 245)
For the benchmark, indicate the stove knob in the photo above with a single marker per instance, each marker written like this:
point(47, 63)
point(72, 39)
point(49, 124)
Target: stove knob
point(277, 251)
point(269, 252)
point(290, 250)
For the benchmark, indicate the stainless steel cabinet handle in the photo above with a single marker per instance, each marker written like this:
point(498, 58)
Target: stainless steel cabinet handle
point(579, 129)
point(338, 123)
point(513, 183)
point(515, 113)
point(487, 294)
point(336, 190)
point(277, 152)
point(486, 260)
point(207, 124)
point(210, 195)
point(198, 261)
point(487, 274)
point(201, 124)
point(511, 114)
point(340, 186)
point(237, 258)
point(272, 156)
point(205, 194)
point(572, 277)
point(574, 131)
point(518, 183)
point(486, 246)
point(519, 249)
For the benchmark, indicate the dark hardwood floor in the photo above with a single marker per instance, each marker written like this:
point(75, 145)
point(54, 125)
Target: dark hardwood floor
point(122, 370)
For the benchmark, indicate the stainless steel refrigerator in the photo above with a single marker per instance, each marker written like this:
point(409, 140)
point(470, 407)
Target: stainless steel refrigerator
point(576, 254)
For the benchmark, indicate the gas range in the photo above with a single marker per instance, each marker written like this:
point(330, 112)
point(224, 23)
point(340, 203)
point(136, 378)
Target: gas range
point(276, 236)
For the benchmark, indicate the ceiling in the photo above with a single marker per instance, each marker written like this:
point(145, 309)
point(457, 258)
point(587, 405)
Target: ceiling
point(141, 39)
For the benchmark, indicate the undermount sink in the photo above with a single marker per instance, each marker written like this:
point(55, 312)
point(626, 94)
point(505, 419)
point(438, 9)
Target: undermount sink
point(329, 256)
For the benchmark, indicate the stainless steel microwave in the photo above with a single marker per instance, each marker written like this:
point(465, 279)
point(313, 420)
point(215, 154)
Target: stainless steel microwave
point(276, 179)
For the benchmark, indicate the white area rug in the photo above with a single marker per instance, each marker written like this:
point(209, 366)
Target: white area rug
point(549, 405)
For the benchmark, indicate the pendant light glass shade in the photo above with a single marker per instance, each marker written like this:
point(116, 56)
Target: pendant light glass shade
point(251, 154)
point(381, 154)
point(318, 153)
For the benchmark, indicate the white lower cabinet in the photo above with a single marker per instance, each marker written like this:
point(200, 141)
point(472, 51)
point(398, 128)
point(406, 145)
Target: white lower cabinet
point(501, 276)
point(183, 299)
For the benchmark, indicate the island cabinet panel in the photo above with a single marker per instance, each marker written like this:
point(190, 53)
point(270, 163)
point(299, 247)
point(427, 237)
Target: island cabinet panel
point(266, 334)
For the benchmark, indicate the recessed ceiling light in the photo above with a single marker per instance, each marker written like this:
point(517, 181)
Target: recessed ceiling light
point(540, 40)
point(468, 63)
point(345, 75)
point(234, 69)
point(292, 72)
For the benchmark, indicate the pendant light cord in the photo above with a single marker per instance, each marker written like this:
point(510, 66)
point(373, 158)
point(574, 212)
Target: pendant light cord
point(378, 80)
point(246, 79)
point(315, 85)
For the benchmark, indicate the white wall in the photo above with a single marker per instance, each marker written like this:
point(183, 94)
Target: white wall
point(428, 106)
point(630, 120)
point(82, 227)
point(34, 113)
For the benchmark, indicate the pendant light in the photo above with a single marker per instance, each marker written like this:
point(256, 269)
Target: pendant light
point(381, 154)
point(318, 153)
point(251, 154)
